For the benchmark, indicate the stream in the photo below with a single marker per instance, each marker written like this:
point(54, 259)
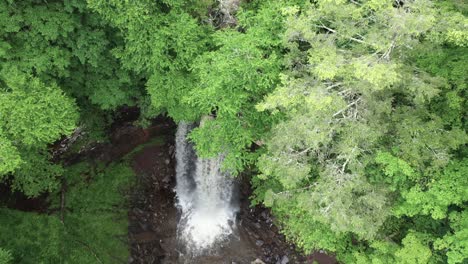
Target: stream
point(184, 210)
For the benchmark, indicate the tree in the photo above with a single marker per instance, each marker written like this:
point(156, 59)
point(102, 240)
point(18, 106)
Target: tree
point(456, 240)
point(414, 250)
point(351, 114)
point(161, 40)
point(85, 230)
point(5, 256)
point(232, 79)
point(32, 115)
point(446, 189)
point(360, 126)
point(55, 63)
point(193, 72)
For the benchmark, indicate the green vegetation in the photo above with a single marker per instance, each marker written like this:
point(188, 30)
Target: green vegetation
point(351, 116)
point(92, 228)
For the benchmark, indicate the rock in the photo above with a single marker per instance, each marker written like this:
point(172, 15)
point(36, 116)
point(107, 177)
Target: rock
point(143, 225)
point(138, 211)
point(285, 260)
point(257, 225)
point(171, 150)
point(166, 179)
point(270, 233)
point(259, 243)
point(167, 161)
point(257, 261)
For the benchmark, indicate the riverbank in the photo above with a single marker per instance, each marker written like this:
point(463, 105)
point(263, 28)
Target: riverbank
point(129, 181)
point(153, 217)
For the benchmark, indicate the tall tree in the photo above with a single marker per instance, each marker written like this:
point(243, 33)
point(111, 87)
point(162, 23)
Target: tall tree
point(55, 63)
point(360, 127)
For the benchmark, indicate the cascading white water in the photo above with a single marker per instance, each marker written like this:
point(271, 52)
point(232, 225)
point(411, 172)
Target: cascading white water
point(204, 196)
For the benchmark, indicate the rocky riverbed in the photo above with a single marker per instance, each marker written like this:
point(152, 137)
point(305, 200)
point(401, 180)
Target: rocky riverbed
point(153, 216)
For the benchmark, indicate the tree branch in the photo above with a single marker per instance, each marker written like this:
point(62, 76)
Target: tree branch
point(335, 32)
point(348, 106)
point(299, 153)
point(299, 189)
point(333, 86)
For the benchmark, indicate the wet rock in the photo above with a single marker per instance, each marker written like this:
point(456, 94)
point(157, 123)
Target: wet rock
point(171, 150)
point(257, 261)
point(167, 179)
point(267, 251)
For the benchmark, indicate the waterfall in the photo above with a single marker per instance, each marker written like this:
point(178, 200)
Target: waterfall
point(204, 196)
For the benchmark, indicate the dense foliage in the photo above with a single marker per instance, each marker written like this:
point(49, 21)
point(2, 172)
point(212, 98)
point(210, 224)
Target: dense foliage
point(350, 116)
point(92, 228)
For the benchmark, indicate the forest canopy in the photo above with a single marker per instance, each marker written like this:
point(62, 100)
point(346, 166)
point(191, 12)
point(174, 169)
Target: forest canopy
point(350, 117)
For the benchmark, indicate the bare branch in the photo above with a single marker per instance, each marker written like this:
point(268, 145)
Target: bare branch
point(348, 106)
point(287, 192)
point(327, 28)
point(344, 166)
point(333, 86)
point(296, 153)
